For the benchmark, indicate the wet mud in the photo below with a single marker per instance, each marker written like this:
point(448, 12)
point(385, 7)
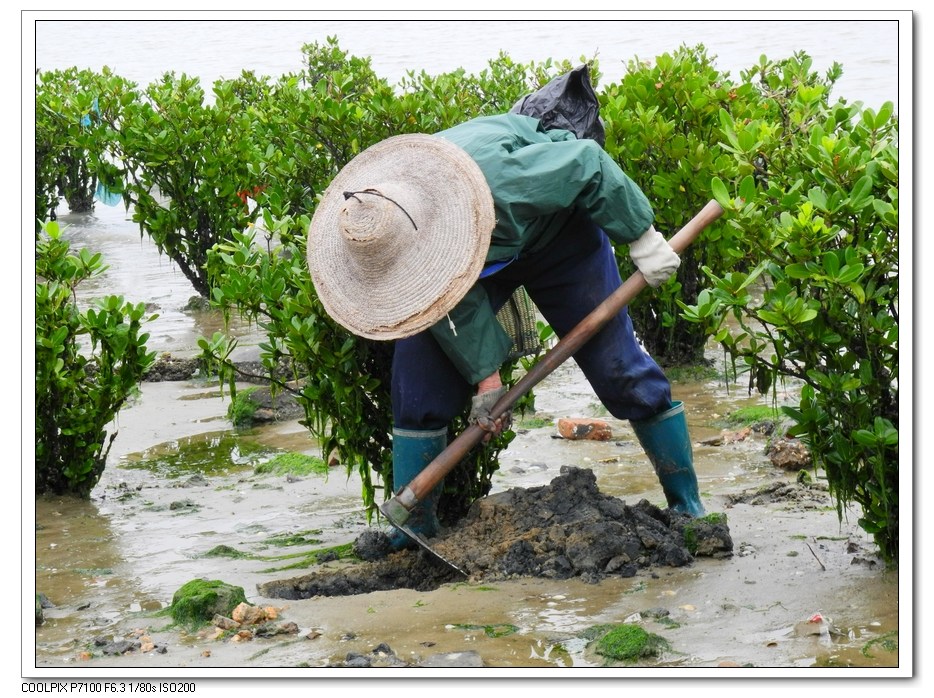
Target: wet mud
point(562, 530)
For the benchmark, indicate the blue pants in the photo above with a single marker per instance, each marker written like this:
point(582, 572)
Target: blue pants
point(570, 277)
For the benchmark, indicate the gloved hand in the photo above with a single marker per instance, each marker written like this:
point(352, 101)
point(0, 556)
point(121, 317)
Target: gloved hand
point(654, 257)
point(481, 406)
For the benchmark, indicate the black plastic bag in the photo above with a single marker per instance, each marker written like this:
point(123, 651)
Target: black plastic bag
point(568, 102)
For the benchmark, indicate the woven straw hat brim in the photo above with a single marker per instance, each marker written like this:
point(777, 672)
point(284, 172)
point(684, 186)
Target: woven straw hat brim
point(447, 199)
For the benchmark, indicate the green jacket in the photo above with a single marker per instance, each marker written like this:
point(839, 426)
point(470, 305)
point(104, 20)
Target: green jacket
point(537, 179)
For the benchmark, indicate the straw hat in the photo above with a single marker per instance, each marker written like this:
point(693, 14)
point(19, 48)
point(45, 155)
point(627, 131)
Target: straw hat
point(400, 236)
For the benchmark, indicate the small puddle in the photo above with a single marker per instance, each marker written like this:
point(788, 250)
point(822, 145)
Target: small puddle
point(211, 454)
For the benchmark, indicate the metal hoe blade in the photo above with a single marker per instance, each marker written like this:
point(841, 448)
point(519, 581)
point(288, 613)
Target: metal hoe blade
point(418, 538)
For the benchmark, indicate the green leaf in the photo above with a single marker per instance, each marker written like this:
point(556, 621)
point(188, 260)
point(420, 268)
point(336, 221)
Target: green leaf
point(747, 189)
point(831, 264)
point(718, 189)
point(728, 127)
point(798, 271)
point(771, 317)
point(805, 315)
point(52, 229)
point(882, 208)
point(859, 292)
point(821, 379)
point(861, 190)
point(817, 197)
point(885, 113)
point(852, 383)
point(865, 437)
point(850, 273)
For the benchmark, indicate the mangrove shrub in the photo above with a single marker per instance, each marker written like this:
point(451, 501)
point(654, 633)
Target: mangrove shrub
point(88, 363)
point(815, 194)
point(185, 167)
point(76, 111)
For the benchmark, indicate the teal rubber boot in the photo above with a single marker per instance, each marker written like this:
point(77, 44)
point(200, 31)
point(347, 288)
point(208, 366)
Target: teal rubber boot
point(412, 451)
point(667, 444)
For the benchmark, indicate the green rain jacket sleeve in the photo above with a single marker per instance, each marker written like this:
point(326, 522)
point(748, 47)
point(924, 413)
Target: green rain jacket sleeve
point(472, 337)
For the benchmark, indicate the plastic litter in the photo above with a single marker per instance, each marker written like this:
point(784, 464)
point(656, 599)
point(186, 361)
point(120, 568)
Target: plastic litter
point(567, 102)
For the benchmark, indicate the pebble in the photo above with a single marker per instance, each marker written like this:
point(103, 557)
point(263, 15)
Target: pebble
point(586, 429)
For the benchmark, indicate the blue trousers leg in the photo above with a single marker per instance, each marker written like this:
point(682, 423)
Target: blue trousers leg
point(566, 281)
point(427, 390)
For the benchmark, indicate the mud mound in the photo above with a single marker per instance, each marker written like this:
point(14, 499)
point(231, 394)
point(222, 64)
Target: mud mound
point(403, 570)
point(565, 529)
point(793, 495)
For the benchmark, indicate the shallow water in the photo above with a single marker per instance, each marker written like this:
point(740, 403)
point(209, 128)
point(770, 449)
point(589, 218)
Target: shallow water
point(137, 271)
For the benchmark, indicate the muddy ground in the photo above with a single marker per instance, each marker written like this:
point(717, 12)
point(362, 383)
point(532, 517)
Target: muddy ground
point(572, 538)
point(565, 529)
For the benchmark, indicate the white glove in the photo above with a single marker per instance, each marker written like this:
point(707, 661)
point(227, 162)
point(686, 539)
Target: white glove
point(654, 257)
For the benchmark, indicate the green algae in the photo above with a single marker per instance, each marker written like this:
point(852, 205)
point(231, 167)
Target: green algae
point(227, 551)
point(888, 642)
point(241, 409)
point(293, 464)
point(690, 528)
point(627, 643)
point(287, 540)
point(492, 630)
point(313, 557)
point(198, 601)
point(749, 416)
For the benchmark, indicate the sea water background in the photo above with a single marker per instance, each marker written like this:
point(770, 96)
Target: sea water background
point(142, 49)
